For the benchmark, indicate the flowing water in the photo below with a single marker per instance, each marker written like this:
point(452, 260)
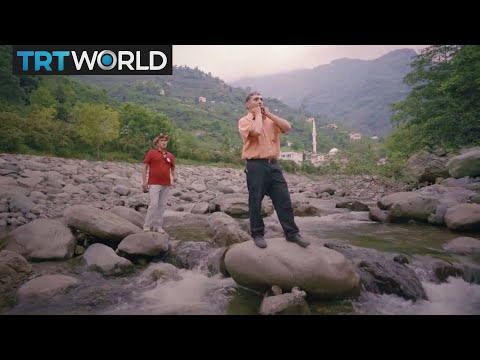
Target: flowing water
point(195, 292)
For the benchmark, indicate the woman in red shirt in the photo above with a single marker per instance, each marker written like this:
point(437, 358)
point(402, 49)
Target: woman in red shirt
point(160, 165)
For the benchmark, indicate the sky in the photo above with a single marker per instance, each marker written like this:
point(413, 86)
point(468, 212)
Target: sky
point(233, 62)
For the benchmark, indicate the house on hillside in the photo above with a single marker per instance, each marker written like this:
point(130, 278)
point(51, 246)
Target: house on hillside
point(317, 159)
point(333, 151)
point(355, 136)
point(293, 156)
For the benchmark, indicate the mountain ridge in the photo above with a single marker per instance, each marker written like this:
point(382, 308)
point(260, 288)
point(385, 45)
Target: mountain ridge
point(357, 93)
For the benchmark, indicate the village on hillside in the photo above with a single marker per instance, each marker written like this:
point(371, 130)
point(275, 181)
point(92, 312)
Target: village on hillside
point(313, 157)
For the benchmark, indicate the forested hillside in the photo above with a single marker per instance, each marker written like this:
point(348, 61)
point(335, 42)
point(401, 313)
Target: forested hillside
point(116, 117)
point(443, 108)
point(177, 96)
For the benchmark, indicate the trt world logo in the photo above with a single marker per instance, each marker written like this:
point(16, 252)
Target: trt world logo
point(92, 60)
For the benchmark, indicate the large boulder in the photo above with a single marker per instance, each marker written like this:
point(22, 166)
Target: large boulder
point(236, 205)
point(463, 217)
point(232, 204)
point(463, 245)
point(99, 223)
point(225, 230)
point(14, 270)
point(409, 205)
point(133, 216)
point(46, 286)
point(448, 196)
point(103, 259)
point(320, 272)
point(42, 239)
point(383, 273)
point(201, 208)
point(148, 244)
point(426, 167)
point(467, 164)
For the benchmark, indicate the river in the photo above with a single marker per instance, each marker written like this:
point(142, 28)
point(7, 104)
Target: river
point(195, 292)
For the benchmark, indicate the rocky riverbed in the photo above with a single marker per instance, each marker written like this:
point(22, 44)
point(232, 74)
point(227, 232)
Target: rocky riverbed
point(71, 241)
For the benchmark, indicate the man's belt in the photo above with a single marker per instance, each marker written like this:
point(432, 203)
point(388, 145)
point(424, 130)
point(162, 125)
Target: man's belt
point(269, 160)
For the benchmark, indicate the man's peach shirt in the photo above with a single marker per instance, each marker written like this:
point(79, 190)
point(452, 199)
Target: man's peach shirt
point(265, 146)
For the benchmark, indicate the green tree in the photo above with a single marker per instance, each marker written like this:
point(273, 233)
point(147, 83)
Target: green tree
point(11, 125)
point(44, 132)
point(139, 126)
point(443, 108)
point(13, 88)
point(96, 124)
point(43, 97)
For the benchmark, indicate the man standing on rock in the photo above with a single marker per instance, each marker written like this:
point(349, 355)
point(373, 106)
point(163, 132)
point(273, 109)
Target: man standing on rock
point(260, 131)
point(160, 165)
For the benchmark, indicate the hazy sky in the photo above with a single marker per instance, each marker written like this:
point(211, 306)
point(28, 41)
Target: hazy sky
point(232, 62)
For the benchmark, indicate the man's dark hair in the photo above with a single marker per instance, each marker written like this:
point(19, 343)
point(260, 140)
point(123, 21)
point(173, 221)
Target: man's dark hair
point(250, 95)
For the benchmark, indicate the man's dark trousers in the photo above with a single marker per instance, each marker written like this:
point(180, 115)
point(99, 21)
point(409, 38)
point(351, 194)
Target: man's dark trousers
point(264, 177)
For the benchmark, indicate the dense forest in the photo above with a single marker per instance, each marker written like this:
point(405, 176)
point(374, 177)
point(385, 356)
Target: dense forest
point(443, 108)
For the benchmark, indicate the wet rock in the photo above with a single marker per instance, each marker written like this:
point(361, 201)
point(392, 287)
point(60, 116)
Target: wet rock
point(46, 286)
point(401, 259)
point(352, 205)
point(463, 245)
point(443, 270)
point(14, 270)
point(292, 303)
point(380, 274)
point(189, 254)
